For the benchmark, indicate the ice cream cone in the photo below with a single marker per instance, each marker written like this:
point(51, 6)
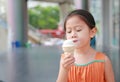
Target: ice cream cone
point(68, 46)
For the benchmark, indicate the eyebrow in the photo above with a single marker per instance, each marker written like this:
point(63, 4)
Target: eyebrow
point(78, 26)
point(75, 26)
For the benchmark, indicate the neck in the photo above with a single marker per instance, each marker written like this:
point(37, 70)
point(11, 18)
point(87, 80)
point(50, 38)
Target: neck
point(83, 50)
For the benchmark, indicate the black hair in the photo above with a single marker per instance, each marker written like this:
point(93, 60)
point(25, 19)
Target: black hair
point(84, 15)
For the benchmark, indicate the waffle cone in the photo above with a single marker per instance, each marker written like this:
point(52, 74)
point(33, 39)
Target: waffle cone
point(68, 49)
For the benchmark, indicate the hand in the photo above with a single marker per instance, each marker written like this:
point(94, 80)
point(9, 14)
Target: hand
point(67, 61)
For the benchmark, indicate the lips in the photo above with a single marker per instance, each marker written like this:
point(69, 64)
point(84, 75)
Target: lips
point(75, 41)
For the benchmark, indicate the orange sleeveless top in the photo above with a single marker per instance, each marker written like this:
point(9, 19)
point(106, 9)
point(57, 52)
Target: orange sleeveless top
point(90, 72)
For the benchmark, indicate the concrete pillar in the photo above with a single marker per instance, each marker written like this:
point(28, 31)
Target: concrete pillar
point(64, 10)
point(78, 4)
point(17, 38)
point(119, 42)
point(85, 4)
point(81, 4)
point(17, 23)
point(106, 25)
point(119, 29)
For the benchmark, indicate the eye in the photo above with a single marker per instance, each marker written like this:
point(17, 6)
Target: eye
point(79, 30)
point(69, 31)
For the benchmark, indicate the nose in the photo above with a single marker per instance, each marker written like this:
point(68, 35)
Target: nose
point(74, 35)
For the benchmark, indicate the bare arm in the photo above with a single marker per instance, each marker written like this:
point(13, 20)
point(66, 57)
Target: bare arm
point(62, 76)
point(65, 65)
point(109, 75)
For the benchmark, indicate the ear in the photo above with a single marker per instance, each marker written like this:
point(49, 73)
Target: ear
point(93, 32)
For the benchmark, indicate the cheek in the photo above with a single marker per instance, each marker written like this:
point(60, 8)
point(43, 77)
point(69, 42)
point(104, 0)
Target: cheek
point(83, 37)
point(83, 34)
point(68, 36)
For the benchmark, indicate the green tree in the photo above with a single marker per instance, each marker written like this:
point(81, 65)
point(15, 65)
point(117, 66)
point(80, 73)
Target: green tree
point(44, 17)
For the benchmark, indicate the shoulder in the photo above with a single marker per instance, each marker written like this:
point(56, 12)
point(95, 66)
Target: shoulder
point(100, 56)
point(107, 61)
point(103, 56)
point(109, 74)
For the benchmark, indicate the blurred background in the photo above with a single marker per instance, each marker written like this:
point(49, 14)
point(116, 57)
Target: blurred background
point(31, 35)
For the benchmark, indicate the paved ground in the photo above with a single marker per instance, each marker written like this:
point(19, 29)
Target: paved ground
point(38, 64)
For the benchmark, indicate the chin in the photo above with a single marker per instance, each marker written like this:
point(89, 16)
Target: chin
point(77, 47)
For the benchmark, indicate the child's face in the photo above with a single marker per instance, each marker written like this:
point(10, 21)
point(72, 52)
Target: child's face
point(77, 29)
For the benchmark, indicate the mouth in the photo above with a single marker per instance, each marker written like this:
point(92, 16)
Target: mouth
point(75, 41)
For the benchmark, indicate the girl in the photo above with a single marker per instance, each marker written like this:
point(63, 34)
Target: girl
point(86, 64)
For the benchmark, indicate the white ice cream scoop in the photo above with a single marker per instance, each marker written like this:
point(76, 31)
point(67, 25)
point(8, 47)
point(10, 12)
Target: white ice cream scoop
point(68, 46)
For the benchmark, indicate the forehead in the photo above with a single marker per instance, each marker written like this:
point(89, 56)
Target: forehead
point(74, 20)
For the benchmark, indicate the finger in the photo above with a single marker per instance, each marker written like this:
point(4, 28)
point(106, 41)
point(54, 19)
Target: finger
point(68, 64)
point(68, 56)
point(72, 64)
point(68, 61)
